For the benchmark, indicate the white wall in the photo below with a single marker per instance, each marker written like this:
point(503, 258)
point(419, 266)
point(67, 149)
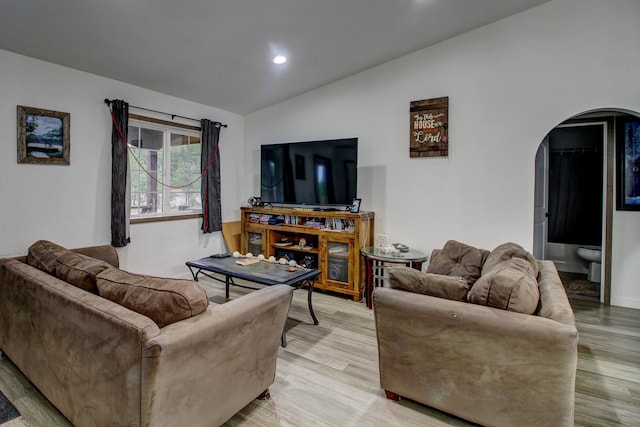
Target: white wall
point(509, 84)
point(70, 205)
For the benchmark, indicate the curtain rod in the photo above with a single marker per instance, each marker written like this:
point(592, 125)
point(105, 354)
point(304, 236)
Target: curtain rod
point(173, 116)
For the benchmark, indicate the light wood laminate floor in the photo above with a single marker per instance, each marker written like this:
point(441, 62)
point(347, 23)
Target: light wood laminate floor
point(328, 374)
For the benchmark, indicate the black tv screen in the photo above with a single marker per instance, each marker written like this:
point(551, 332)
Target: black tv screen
point(309, 173)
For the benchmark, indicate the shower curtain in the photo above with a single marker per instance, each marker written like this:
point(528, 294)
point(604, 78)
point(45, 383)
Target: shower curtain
point(575, 196)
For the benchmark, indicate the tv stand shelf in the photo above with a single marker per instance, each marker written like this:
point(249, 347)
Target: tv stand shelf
point(328, 240)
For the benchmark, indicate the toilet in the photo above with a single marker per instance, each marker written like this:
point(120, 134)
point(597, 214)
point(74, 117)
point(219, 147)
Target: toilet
point(592, 256)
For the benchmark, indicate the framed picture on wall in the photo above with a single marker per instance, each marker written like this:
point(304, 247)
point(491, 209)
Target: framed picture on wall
point(628, 163)
point(355, 206)
point(43, 136)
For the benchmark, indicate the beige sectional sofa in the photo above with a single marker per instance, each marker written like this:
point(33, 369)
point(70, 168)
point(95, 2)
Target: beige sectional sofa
point(489, 362)
point(101, 363)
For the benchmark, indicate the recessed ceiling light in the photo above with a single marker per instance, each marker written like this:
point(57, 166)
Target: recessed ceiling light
point(279, 59)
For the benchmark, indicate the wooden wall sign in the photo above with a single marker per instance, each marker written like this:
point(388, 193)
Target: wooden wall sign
point(429, 128)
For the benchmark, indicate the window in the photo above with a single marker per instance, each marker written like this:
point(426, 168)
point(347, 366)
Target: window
point(165, 167)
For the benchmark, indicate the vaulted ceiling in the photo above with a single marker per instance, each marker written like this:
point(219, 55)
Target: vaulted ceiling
point(219, 52)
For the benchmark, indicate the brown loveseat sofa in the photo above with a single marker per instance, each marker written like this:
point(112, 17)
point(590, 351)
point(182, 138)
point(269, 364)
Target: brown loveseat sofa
point(102, 364)
point(492, 366)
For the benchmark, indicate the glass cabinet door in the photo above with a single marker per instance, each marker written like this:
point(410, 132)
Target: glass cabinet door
point(337, 268)
point(255, 243)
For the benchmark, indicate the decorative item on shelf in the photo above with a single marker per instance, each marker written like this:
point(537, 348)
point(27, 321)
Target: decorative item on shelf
point(390, 250)
point(429, 128)
point(381, 240)
point(284, 259)
point(401, 247)
point(284, 241)
point(355, 206)
point(255, 202)
point(307, 262)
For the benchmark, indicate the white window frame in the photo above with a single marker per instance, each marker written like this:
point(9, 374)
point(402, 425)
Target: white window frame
point(167, 129)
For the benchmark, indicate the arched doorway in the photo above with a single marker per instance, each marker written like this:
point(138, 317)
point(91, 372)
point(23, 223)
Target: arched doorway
point(574, 201)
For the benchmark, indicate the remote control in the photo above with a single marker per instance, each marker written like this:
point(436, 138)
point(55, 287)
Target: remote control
point(224, 255)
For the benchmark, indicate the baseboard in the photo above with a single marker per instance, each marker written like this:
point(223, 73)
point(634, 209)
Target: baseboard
point(625, 302)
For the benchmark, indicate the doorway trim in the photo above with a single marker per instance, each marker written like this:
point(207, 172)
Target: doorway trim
point(607, 118)
point(609, 173)
point(608, 223)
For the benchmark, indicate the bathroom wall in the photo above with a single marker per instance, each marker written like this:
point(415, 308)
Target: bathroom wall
point(565, 257)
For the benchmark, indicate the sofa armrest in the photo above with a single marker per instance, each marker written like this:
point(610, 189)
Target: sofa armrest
point(487, 365)
point(82, 351)
point(206, 368)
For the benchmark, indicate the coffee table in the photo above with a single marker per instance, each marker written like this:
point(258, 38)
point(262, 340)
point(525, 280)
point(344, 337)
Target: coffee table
point(262, 272)
point(375, 258)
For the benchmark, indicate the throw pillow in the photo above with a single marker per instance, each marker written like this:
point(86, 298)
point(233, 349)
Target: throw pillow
point(458, 259)
point(435, 285)
point(507, 251)
point(163, 300)
point(510, 285)
point(74, 268)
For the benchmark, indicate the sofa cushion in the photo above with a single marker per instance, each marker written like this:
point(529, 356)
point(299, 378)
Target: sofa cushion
point(163, 300)
point(76, 269)
point(509, 285)
point(507, 251)
point(435, 285)
point(458, 259)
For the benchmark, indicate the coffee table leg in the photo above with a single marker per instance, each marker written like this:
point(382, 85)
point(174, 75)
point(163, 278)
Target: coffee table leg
point(283, 338)
point(227, 282)
point(195, 275)
point(312, 282)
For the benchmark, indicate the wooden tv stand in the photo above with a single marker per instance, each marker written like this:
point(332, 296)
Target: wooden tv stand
point(327, 240)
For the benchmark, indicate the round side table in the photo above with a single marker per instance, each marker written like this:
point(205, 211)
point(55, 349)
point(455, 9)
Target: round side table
point(375, 260)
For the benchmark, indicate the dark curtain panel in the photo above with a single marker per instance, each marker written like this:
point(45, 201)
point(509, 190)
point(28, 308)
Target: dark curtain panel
point(210, 188)
point(119, 165)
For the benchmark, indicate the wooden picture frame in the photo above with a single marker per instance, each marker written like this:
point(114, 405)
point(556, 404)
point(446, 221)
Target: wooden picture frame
point(429, 127)
point(355, 206)
point(628, 163)
point(43, 136)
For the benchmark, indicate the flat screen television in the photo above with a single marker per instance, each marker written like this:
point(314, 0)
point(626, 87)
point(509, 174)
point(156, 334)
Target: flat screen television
point(322, 173)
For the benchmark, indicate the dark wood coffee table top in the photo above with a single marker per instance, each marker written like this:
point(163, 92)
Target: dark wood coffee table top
point(263, 272)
